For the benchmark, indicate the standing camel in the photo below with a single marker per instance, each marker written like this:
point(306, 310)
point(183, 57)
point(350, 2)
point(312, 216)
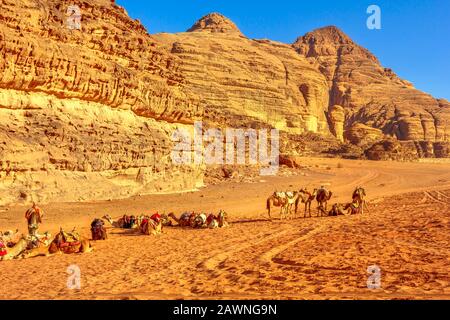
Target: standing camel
point(359, 198)
point(278, 199)
point(323, 196)
point(307, 198)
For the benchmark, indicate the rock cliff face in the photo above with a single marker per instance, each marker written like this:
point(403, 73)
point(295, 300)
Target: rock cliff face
point(373, 95)
point(248, 83)
point(89, 113)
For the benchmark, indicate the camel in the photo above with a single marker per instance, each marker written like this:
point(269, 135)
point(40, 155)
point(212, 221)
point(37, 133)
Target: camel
point(307, 198)
point(69, 243)
point(358, 197)
point(221, 220)
point(323, 196)
point(338, 210)
point(186, 219)
point(215, 222)
point(98, 230)
point(121, 223)
point(28, 247)
point(150, 227)
point(35, 246)
point(199, 221)
point(354, 208)
point(279, 199)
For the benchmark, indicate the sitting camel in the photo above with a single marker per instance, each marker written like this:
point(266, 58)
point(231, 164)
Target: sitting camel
point(199, 221)
point(151, 225)
point(186, 219)
point(68, 243)
point(126, 222)
point(98, 230)
point(213, 222)
point(354, 208)
point(337, 210)
point(31, 246)
point(27, 247)
point(347, 209)
point(165, 220)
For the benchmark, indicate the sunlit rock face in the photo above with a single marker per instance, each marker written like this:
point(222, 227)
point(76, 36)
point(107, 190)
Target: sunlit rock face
point(373, 95)
point(244, 82)
point(87, 114)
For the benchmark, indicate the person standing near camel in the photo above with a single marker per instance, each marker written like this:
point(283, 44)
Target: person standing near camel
point(34, 218)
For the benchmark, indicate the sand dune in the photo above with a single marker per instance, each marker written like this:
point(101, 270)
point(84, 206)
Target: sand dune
point(406, 233)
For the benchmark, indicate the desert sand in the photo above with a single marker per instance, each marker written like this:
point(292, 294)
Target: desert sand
point(405, 233)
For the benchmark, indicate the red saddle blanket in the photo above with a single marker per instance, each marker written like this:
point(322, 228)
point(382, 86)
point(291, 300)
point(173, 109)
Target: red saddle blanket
point(3, 251)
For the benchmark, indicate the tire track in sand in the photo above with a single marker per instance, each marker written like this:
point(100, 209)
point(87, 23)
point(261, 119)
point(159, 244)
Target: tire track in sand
point(213, 262)
point(435, 199)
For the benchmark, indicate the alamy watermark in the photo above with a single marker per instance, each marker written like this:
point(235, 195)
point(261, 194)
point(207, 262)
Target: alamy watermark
point(74, 278)
point(73, 17)
point(374, 280)
point(374, 20)
point(229, 146)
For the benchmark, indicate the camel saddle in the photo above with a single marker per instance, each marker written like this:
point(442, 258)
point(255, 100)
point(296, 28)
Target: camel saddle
point(68, 242)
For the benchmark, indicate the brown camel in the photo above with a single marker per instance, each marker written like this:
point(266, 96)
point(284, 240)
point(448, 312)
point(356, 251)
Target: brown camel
point(323, 196)
point(214, 222)
point(359, 198)
point(338, 210)
point(28, 247)
point(307, 198)
point(278, 199)
point(126, 222)
point(354, 208)
point(150, 227)
point(69, 243)
point(186, 219)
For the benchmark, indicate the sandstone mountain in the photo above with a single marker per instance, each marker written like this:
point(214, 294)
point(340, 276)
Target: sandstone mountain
point(88, 114)
point(372, 95)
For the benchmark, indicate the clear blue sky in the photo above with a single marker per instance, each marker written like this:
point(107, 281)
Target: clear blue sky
point(414, 40)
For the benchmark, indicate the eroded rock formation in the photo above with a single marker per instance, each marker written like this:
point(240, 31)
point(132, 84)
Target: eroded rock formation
point(371, 94)
point(248, 83)
point(87, 114)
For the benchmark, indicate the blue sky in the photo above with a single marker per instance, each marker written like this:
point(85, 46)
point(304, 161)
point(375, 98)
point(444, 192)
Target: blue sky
point(414, 40)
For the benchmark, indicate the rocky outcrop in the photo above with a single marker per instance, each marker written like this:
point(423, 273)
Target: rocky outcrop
point(215, 22)
point(371, 94)
point(360, 134)
point(249, 83)
point(87, 114)
point(337, 120)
